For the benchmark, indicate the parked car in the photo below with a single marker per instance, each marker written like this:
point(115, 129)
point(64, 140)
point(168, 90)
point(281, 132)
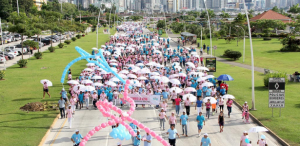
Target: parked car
point(10, 39)
point(8, 56)
point(19, 49)
point(11, 50)
point(46, 41)
point(18, 37)
point(61, 36)
point(2, 58)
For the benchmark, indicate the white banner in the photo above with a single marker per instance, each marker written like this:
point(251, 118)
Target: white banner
point(145, 99)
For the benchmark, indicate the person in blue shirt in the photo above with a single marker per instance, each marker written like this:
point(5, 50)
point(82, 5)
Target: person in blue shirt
point(183, 121)
point(207, 49)
point(208, 92)
point(63, 94)
point(199, 105)
point(148, 139)
point(205, 141)
point(165, 95)
point(172, 135)
point(199, 92)
point(222, 91)
point(109, 96)
point(80, 96)
point(99, 91)
point(201, 122)
point(76, 138)
point(135, 128)
point(137, 139)
point(204, 88)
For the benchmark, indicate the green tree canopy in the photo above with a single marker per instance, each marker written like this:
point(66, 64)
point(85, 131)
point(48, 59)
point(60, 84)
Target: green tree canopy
point(5, 8)
point(161, 24)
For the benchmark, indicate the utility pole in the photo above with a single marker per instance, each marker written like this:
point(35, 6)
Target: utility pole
point(18, 7)
point(98, 24)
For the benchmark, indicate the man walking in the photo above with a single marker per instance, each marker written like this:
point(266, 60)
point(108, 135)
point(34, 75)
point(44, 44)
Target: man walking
point(137, 139)
point(177, 103)
point(172, 135)
point(148, 139)
point(205, 141)
point(199, 105)
point(76, 138)
point(61, 104)
point(201, 122)
point(183, 121)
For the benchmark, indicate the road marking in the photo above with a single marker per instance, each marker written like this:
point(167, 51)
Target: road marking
point(59, 132)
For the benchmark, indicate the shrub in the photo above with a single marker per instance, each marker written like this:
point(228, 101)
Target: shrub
point(2, 74)
point(274, 75)
point(68, 42)
point(234, 54)
point(267, 38)
point(226, 52)
point(78, 36)
point(74, 39)
point(60, 45)
point(51, 49)
point(22, 63)
point(38, 55)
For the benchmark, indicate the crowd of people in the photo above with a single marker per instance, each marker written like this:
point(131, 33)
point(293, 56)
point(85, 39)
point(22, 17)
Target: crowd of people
point(154, 68)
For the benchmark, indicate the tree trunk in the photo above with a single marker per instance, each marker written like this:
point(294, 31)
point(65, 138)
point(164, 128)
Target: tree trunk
point(38, 43)
point(22, 45)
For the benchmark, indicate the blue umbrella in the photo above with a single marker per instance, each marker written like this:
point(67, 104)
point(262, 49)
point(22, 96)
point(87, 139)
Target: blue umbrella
point(225, 77)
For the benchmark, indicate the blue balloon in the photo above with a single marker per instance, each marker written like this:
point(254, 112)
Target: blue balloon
point(128, 137)
point(247, 140)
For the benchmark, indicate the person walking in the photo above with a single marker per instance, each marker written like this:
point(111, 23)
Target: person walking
point(76, 138)
point(204, 47)
point(45, 90)
point(245, 109)
point(199, 105)
point(162, 116)
point(243, 138)
point(95, 98)
point(148, 139)
point(221, 121)
point(177, 103)
point(201, 51)
point(135, 128)
point(262, 141)
point(183, 121)
point(73, 102)
point(229, 106)
point(87, 99)
point(70, 115)
point(221, 103)
point(205, 141)
point(201, 122)
point(172, 135)
point(208, 105)
point(172, 120)
point(61, 104)
point(137, 139)
point(207, 49)
point(187, 104)
point(63, 94)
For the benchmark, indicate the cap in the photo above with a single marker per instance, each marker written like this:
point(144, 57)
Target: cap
point(245, 101)
point(245, 132)
point(183, 111)
point(205, 134)
point(63, 89)
point(76, 130)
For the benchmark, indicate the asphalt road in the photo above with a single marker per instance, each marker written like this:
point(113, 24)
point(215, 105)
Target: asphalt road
point(85, 120)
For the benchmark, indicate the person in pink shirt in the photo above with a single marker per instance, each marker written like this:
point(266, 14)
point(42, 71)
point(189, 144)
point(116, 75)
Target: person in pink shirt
point(162, 116)
point(173, 95)
point(187, 104)
point(95, 98)
point(46, 90)
point(244, 136)
point(87, 98)
point(70, 115)
point(73, 103)
point(221, 103)
point(102, 96)
point(229, 106)
point(172, 120)
point(164, 106)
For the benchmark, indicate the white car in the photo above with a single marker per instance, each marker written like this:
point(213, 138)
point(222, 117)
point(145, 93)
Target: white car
point(11, 50)
point(2, 59)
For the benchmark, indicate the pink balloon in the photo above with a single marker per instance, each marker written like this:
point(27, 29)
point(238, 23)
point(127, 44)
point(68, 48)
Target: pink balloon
point(97, 128)
point(141, 126)
point(118, 110)
point(103, 125)
point(82, 144)
point(135, 122)
point(159, 138)
point(132, 108)
point(110, 123)
point(147, 130)
point(114, 108)
point(129, 113)
point(123, 123)
point(152, 133)
point(117, 120)
point(132, 133)
point(86, 138)
point(91, 132)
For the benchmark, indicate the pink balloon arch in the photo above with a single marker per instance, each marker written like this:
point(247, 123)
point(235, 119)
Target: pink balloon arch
point(105, 107)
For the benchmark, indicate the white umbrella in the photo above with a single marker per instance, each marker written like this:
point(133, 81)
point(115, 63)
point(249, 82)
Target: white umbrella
point(113, 60)
point(182, 74)
point(155, 77)
point(175, 81)
point(164, 79)
point(104, 72)
point(87, 82)
point(156, 44)
point(115, 64)
point(124, 71)
point(90, 64)
point(154, 74)
point(145, 71)
point(209, 76)
point(49, 83)
point(228, 96)
point(106, 53)
point(190, 89)
point(156, 51)
point(173, 76)
point(97, 84)
point(131, 76)
point(114, 79)
point(89, 88)
point(88, 69)
point(103, 46)
point(151, 63)
point(191, 97)
point(74, 82)
point(140, 64)
point(110, 83)
point(201, 79)
point(123, 76)
point(142, 78)
point(176, 89)
point(177, 67)
point(207, 84)
point(194, 53)
point(202, 68)
point(257, 129)
point(94, 49)
point(176, 63)
point(114, 69)
point(137, 84)
point(212, 100)
point(81, 87)
point(96, 77)
point(191, 65)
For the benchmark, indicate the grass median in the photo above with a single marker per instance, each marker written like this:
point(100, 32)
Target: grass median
point(285, 126)
point(22, 86)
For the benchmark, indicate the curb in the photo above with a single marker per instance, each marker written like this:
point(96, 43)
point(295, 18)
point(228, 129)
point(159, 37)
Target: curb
point(48, 131)
point(273, 134)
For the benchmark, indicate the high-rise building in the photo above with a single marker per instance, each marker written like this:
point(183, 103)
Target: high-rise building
point(39, 3)
point(268, 4)
point(170, 6)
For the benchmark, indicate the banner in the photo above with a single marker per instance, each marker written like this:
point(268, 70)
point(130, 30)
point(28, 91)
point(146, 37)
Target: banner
point(145, 99)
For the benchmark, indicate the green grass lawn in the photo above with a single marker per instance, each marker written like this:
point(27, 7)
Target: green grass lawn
point(286, 126)
point(266, 54)
point(22, 85)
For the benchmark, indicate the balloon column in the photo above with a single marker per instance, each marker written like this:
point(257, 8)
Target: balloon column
point(105, 107)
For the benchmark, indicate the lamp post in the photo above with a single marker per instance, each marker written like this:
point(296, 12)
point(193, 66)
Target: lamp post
point(244, 42)
point(252, 58)
point(17, 8)
point(98, 23)
point(209, 27)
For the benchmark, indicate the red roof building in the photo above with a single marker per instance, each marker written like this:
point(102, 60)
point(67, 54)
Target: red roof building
point(273, 16)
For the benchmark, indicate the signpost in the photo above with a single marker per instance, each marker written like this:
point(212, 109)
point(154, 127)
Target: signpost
point(215, 48)
point(276, 93)
point(160, 31)
point(211, 64)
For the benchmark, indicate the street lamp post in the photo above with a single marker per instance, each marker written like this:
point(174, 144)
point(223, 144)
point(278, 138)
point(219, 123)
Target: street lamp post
point(244, 42)
point(98, 23)
point(252, 58)
point(209, 27)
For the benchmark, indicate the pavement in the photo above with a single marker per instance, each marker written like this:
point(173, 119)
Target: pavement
point(86, 119)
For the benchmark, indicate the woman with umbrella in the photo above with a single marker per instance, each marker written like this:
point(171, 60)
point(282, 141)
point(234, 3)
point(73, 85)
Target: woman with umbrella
point(46, 90)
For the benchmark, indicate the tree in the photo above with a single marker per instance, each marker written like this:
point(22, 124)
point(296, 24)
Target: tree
point(20, 26)
point(24, 5)
point(240, 18)
point(251, 11)
point(211, 14)
point(294, 9)
point(224, 15)
point(267, 25)
point(5, 9)
point(33, 10)
point(161, 24)
point(51, 18)
point(275, 9)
